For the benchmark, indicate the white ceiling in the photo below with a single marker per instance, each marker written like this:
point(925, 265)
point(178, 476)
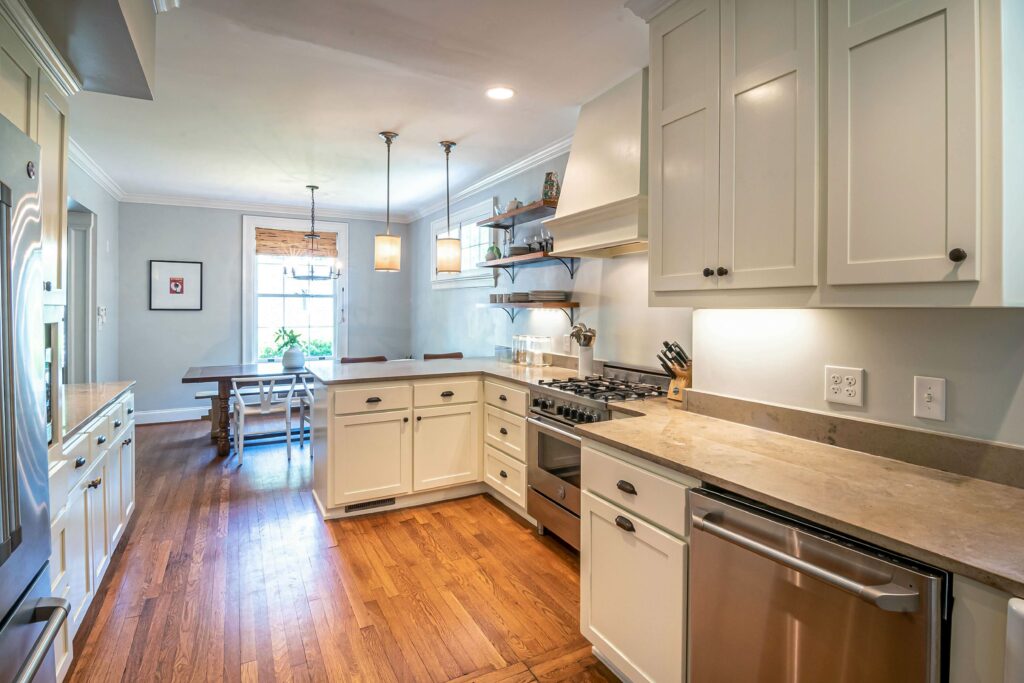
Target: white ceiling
point(254, 99)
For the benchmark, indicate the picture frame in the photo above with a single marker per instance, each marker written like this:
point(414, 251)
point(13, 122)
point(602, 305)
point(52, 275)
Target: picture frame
point(175, 285)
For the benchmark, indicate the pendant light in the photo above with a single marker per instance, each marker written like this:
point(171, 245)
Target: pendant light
point(448, 249)
point(387, 248)
point(310, 273)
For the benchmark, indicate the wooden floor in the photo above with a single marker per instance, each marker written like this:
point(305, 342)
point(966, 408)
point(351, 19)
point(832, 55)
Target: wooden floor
point(230, 574)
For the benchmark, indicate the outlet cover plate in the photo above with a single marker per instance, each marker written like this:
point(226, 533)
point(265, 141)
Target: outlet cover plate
point(930, 398)
point(844, 385)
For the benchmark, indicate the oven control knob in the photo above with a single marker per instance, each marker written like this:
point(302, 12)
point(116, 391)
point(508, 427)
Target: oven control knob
point(591, 417)
point(559, 410)
point(574, 414)
point(536, 403)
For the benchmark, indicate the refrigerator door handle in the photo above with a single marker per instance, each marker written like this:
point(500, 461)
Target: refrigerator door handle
point(890, 597)
point(54, 611)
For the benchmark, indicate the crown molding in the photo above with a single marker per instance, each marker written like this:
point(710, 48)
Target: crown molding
point(81, 158)
point(32, 34)
point(541, 156)
point(258, 208)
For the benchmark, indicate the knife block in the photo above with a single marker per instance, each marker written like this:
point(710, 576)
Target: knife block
point(682, 380)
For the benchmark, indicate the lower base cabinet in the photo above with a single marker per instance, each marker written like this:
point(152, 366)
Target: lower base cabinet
point(632, 592)
point(446, 446)
point(506, 475)
point(373, 457)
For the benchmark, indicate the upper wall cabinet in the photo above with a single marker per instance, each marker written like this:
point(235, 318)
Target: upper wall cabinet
point(734, 137)
point(919, 203)
point(53, 192)
point(18, 81)
point(903, 141)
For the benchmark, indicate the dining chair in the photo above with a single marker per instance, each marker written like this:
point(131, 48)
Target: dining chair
point(305, 402)
point(439, 356)
point(364, 359)
point(274, 394)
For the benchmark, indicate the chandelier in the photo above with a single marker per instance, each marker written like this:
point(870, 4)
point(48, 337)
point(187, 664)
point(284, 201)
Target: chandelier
point(312, 271)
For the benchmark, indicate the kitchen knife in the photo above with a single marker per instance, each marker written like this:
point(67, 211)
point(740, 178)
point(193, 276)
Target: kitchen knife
point(681, 352)
point(673, 355)
point(666, 366)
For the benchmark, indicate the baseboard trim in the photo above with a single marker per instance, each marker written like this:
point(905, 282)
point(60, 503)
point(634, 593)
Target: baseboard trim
point(408, 500)
point(149, 417)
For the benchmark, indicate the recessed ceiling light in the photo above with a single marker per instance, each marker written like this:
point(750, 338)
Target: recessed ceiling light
point(500, 93)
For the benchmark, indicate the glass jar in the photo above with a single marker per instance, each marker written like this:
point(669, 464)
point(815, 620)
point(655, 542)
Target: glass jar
point(537, 351)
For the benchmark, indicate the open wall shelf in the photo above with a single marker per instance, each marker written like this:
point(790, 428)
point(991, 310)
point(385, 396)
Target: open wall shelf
point(513, 309)
point(542, 208)
point(509, 263)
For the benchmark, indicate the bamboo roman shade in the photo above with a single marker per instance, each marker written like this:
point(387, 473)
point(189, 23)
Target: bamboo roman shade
point(294, 243)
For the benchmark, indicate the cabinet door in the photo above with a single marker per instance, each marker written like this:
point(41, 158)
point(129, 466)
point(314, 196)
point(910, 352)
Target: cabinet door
point(683, 167)
point(632, 585)
point(903, 140)
point(79, 565)
point(53, 154)
point(769, 141)
point(128, 475)
point(112, 496)
point(96, 513)
point(18, 84)
point(446, 446)
point(372, 456)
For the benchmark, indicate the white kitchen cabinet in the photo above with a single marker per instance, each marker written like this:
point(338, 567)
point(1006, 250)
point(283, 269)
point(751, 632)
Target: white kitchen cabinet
point(903, 176)
point(112, 495)
point(683, 148)
point(446, 446)
point(632, 592)
point(79, 565)
point(372, 456)
point(52, 129)
point(96, 512)
point(60, 585)
point(505, 475)
point(127, 455)
point(19, 83)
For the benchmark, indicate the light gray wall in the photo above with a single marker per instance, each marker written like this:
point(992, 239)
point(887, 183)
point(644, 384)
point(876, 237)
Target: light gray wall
point(86, 192)
point(779, 356)
point(157, 347)
point(612, 295)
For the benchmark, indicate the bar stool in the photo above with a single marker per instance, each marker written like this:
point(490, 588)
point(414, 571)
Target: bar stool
point(439, 356)
point(364, 359)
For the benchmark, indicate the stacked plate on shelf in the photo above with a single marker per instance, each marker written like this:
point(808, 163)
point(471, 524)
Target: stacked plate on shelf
point(548, 295)
point(519, 297)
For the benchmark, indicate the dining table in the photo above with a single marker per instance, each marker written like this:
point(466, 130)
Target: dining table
point(222, 376)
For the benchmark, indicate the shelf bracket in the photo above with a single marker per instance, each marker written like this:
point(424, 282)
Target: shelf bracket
point(569, 263)
point(511, 271)
point(570, 313)
point(512, 313)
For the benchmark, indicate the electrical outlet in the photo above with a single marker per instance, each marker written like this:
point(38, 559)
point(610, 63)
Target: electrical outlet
point(930, 398)
point(844, 385)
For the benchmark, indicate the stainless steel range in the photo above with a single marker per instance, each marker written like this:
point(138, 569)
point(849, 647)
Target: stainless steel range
point(553, 448)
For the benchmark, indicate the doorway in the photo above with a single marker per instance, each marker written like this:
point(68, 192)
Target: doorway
point(80, 321)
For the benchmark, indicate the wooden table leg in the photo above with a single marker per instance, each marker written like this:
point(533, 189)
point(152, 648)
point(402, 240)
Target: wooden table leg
point(223, 440)
point(214, 418)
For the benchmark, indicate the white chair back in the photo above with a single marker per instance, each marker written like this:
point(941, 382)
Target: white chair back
point(307, 387)
point(273, 391)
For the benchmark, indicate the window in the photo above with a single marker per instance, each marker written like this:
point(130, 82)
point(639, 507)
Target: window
point(274, 300)
point(475, 241)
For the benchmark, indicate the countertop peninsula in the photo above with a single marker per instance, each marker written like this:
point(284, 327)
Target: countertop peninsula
point(80, 403)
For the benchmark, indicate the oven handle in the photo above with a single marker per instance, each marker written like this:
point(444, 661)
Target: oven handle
point(554, 431)
point(890, 597)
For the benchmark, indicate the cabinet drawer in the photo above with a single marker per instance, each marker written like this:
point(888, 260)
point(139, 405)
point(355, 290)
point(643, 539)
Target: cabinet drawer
point(505, 475)
point(58, 475)
point(506, 432)
point(129, 406)
point(99, 435)
point(78, 454)
point(116, 415)
point(656, 498)
point(506, 398)
point(456, 390)
point(372, 399)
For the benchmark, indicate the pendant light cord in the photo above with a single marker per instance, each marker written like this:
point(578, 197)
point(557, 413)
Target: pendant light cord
point(448, 187)
point(388, 141)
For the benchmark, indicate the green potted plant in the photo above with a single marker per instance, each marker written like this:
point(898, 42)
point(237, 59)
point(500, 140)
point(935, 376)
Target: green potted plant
point(288, 342)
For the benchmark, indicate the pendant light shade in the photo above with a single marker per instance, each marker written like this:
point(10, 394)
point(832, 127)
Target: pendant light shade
point(387, 248)
point(448, 249)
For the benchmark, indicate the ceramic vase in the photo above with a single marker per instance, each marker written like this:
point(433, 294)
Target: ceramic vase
point(293, 359)
point(586, 361)
point(552, 188)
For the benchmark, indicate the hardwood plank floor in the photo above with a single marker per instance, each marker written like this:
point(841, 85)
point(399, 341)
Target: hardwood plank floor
point(228, 573)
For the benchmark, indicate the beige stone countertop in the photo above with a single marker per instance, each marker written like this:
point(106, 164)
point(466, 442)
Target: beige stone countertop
point(330, 372)
point(969, 526)
point(80, 403)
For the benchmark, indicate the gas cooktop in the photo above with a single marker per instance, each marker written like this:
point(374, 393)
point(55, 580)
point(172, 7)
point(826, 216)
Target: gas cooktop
point(605, 389)
point(590, 399)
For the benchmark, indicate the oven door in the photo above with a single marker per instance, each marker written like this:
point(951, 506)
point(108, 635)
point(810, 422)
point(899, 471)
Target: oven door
point(553, 462)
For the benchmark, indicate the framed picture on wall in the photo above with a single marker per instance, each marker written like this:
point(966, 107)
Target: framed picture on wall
point(175, 285)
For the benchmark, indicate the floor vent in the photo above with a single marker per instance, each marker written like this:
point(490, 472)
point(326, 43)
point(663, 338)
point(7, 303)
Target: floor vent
point(383, 502)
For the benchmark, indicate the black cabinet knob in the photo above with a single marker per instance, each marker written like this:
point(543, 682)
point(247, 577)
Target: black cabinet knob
point(419, 418)
point(503, 397)
point(957, 255)
point(117, 423)
point(707, 272)
point(80, 461)
point(504, 474)
point(405, 419)
point(100, 440)
point(503, 431)
point(722, 272)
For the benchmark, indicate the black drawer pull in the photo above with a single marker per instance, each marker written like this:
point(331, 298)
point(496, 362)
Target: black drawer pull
point(624, 524)
point(117, 423)
point(131, 411)
point(447, 394)
point(419, 418)
point(504, 474)
point(503, 431)
point(503, 397)
point(373, 399)
point(101, 440)
point(95, 483)
point(47, 286)
point(626, 487)
point(80, 461)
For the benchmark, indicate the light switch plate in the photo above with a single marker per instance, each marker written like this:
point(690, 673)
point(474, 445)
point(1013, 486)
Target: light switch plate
point(930, 398)
point(844, 385)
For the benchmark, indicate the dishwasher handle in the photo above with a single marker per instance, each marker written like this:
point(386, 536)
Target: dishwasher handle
point(890, 597)
point(54, 611)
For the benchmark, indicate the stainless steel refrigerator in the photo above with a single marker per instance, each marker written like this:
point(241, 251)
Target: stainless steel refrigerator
point(29, 618)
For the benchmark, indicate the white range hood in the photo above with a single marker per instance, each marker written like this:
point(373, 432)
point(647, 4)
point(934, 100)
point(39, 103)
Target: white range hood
point(602, 210)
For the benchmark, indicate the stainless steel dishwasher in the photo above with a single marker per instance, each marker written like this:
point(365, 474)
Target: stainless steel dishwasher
point(777, 600)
